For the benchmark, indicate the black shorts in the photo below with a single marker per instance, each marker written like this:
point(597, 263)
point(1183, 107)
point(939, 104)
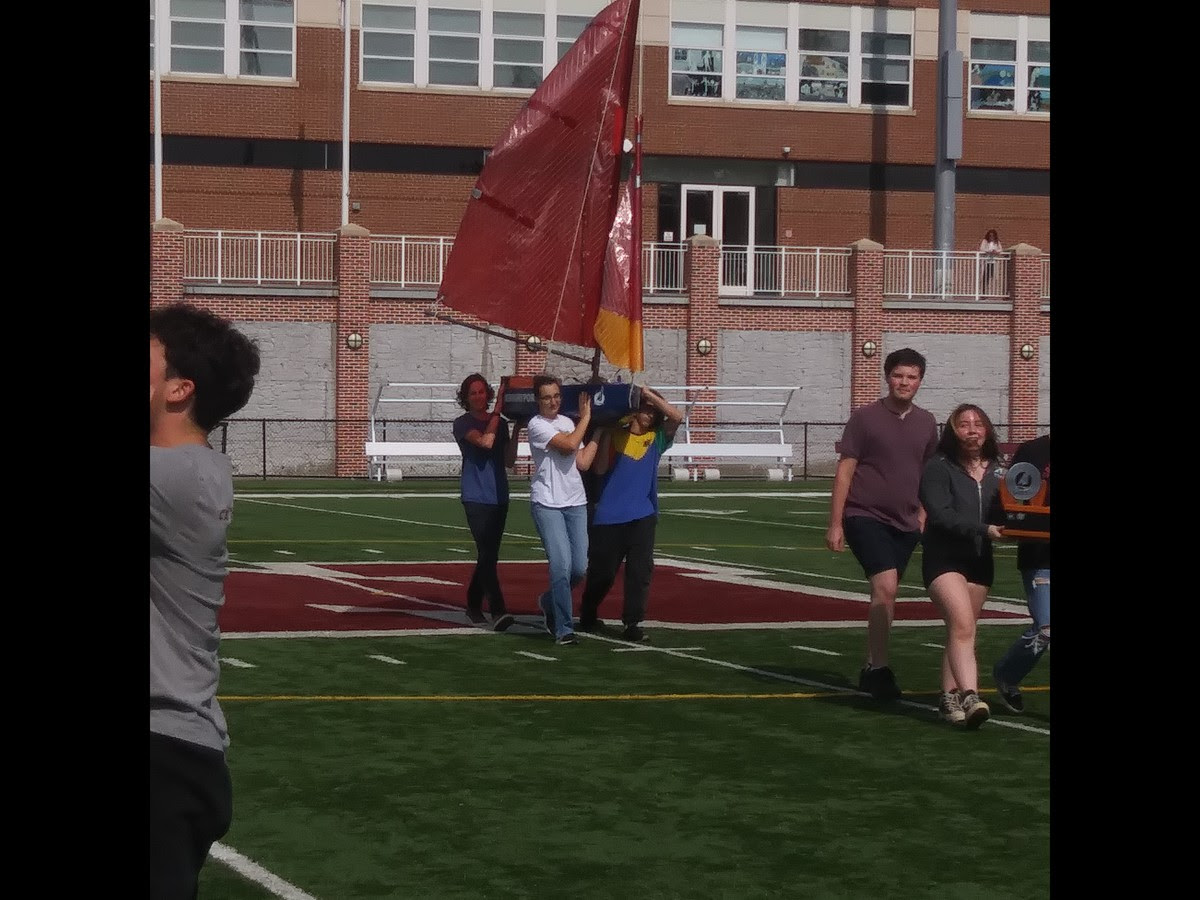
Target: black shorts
point(976, 569)
point(879, 547)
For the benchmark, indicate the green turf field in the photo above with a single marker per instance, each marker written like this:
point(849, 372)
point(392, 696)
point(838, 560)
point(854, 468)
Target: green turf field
point(728, 763)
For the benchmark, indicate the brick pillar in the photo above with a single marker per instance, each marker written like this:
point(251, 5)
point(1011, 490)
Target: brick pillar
point(352, 367)
point(704, 283)
point(530, 362)
point(866, 287)
point(166, 262)
point(1026, 327)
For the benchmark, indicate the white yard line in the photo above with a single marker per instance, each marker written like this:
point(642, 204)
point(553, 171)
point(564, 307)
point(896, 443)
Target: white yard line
point(536, 656)
point(935, 646)
point(815, 650)
point(446, 495)
point(386, 659)
point(248, 868)
point(779, 676)
point(237, 663)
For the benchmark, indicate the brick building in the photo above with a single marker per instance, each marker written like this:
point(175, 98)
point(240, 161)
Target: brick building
point(772, 127)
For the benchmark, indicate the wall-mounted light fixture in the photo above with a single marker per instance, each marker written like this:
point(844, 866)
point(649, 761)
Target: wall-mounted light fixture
point(869, 349)
point(533, 343)
point(354, 340)
point(1027, 351)
point(787, 151)
point(704, 346)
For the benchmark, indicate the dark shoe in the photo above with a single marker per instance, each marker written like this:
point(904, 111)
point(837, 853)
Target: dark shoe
point(880, 683)
point(567, 639)
point(503, 622)
point(1010, 697)
point(476, 616)
point(976, 711)
point(950, 708)
point(591, 626)
point(634, 634)
point(547, 614)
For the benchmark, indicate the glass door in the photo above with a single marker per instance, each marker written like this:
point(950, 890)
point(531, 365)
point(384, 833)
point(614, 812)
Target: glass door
point(727, 214)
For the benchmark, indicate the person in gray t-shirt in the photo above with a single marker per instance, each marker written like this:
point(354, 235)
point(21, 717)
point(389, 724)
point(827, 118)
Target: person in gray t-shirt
point(875, 509)
point(201, 371)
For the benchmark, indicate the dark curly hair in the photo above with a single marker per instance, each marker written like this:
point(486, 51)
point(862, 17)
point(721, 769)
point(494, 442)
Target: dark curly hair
point(465, 389)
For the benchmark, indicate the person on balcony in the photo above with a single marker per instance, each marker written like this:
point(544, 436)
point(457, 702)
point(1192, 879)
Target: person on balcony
point(990, 249)
point(557, 499)
point(626, 459)
point(488, 450)
point(874, 508)
point(960, 491)
point(202, 370)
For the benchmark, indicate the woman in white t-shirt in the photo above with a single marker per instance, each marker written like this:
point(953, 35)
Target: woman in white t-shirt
point(990, 249)
point(557, 499)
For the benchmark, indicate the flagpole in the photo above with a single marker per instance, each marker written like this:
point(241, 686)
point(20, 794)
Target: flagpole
point(346, 112)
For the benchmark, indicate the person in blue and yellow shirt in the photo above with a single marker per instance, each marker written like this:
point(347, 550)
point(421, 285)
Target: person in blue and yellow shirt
point(626, 516)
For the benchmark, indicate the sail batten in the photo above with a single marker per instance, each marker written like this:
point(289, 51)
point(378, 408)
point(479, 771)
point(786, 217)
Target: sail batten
point(531, 250)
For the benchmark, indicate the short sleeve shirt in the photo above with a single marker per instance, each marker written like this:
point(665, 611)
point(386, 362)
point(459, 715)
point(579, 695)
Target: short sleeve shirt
point(483, 478)
point(556, 482)
point(891, 452)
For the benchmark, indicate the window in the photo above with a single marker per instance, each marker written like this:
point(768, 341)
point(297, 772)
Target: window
point(517, 49)
point(232, 37)
point(569, 29)
point(1039, 76)
point(886, 66)
point(993, 74)
point(696, 60)
point(824, 65)
point(151, 35)
point(389, 38)
point(761, 63)
point(1010, 64)
point(826, 54)
point(454, 46)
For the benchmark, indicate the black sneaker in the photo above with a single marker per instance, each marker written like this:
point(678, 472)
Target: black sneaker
point(591, 626)
point(567, 640)
point(1010, 697)
point(476, 616)
point(879, 682)
point(503, 622)
point(634, 634)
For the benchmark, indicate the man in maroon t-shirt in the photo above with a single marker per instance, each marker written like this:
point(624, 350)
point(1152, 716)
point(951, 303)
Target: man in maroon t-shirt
point(875, 508)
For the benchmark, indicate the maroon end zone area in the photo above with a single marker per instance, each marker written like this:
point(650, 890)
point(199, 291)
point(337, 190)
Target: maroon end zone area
point(263, 601)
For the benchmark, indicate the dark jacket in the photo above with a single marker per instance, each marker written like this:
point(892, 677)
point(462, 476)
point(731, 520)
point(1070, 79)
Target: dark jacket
point(958, 509)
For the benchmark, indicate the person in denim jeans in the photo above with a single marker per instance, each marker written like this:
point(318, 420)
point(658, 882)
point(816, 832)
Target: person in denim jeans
point(557, 499)
point(1033, 559)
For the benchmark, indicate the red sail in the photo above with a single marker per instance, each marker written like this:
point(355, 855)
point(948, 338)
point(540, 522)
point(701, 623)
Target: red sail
point(530, 250)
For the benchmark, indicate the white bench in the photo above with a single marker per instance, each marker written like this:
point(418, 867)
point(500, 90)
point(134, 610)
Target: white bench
point(379, 451)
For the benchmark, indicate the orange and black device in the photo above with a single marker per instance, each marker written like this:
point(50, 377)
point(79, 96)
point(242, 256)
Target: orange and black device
point(1024, 496)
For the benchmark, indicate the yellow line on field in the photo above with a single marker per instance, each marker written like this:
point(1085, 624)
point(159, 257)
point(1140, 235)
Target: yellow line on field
point(469, 698)
point(490, 698)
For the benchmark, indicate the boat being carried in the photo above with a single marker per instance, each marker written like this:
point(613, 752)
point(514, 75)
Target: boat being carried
point(550, 243)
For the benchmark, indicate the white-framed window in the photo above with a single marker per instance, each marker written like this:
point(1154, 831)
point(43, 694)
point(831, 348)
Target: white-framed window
point(761, 63)
point(389, 43)
point(234, 38)
point(697, 59)
point(886, 68)
point(517, 41)
point(151, 35)
point(1009, 67)
point(824, 54)
point(824, 65)
point(454, 37)
point(502, 45)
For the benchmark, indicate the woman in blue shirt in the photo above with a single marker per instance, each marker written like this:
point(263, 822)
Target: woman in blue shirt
point(487, 451)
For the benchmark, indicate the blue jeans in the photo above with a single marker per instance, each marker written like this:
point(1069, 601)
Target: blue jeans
point(1028, 648)
point(564, 535)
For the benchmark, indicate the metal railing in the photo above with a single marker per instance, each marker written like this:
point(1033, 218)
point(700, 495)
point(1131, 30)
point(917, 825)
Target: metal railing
point(664, 268)
point(400, 260)
point(1045, 276)
point(785, 271)
point(258, 257)
point(938, 275)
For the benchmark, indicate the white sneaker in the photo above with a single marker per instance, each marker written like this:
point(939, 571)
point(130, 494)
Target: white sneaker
point(950, 708)
point(977, 712)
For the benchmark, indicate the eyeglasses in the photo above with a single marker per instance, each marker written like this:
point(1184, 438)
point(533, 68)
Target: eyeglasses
point(550, 397)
